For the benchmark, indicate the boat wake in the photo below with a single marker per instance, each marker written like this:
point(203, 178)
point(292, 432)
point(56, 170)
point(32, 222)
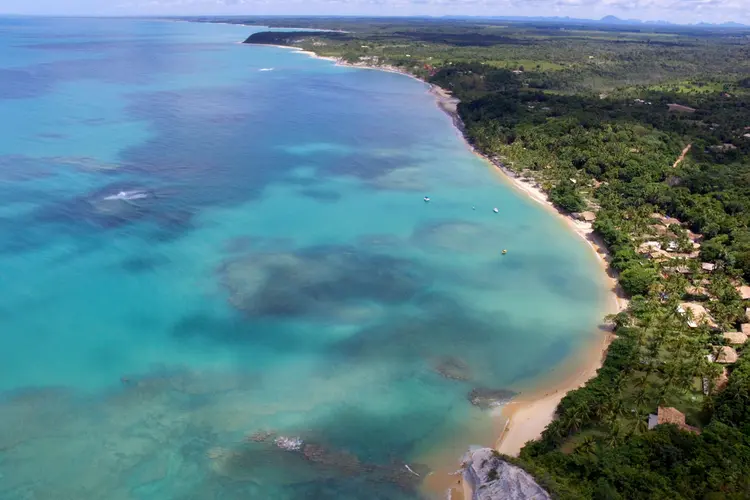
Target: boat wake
point(265, 69)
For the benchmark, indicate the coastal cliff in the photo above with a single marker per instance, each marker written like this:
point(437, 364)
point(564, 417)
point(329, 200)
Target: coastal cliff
point(492, 478)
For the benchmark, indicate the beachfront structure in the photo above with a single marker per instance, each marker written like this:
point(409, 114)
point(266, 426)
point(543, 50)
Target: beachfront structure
point(586, 216)
point(669, 415)
point(699, 315)
point(744, 292)
point(737, 338)
point(745, 328)
point(727, 355)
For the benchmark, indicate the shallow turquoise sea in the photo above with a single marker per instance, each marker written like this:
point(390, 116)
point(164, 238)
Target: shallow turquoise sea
point(219, 278)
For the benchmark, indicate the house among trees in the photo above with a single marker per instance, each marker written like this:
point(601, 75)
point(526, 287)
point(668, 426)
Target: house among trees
point(649, 247)
point(722, 380)
point(696, 291)
point(665, 221)
point(684, 269)
point(680, 108)
point(698, 314)
point(669, 415)
point(708, 267)
point(744, 292)
point(727, 355)
point(737, 338)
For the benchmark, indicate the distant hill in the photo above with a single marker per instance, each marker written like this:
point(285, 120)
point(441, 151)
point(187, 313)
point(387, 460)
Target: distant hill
point(617, 20)
point(608, 20)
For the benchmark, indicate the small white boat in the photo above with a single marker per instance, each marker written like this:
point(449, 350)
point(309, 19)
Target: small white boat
point(426, 199)
point(495, 210)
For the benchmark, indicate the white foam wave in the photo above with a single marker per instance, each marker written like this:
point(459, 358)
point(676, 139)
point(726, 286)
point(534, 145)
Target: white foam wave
point(128, 195)
point(290, 444)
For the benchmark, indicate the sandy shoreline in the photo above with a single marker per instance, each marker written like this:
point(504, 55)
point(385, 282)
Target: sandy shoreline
point(529, 413)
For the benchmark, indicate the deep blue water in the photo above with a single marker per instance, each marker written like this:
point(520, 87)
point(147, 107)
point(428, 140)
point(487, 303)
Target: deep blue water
point(194, 251)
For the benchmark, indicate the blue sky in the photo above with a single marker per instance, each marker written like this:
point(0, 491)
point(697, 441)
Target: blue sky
point(685, 11)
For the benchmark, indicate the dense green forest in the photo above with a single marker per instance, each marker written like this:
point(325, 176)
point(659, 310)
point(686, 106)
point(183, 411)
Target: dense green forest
point(649, 130)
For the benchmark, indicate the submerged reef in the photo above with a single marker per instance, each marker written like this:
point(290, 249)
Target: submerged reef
point(488, 398)
point(333, 282)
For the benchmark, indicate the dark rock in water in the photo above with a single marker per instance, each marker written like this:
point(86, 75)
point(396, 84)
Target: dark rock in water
point(492, 478)
point(487, 398)
point(345, 463)
point(453, 368)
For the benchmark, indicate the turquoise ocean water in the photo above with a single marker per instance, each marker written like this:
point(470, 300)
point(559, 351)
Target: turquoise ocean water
point(207, 248)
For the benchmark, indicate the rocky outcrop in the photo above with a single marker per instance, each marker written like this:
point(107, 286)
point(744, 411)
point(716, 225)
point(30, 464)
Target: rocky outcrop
point(485, 398)
point(492, 478)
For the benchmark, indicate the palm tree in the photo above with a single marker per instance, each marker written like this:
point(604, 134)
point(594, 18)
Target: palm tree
point(641, 382)
point(614, 436)
point(640, 425)
point(556, 430)
point(665, 390)
point(577, 417)
point(640, 398)
point(587, 446)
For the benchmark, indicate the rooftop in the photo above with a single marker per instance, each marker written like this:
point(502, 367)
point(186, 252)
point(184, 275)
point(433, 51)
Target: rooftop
point(699, 314)
point(586, 216)
point(735, 337)
point(697, 291)
point(681, 108)
point(727, 355)
point(669, 415)
point(722, 380)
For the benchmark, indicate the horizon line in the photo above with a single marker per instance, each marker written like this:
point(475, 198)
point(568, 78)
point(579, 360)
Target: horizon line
point(616, 21)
